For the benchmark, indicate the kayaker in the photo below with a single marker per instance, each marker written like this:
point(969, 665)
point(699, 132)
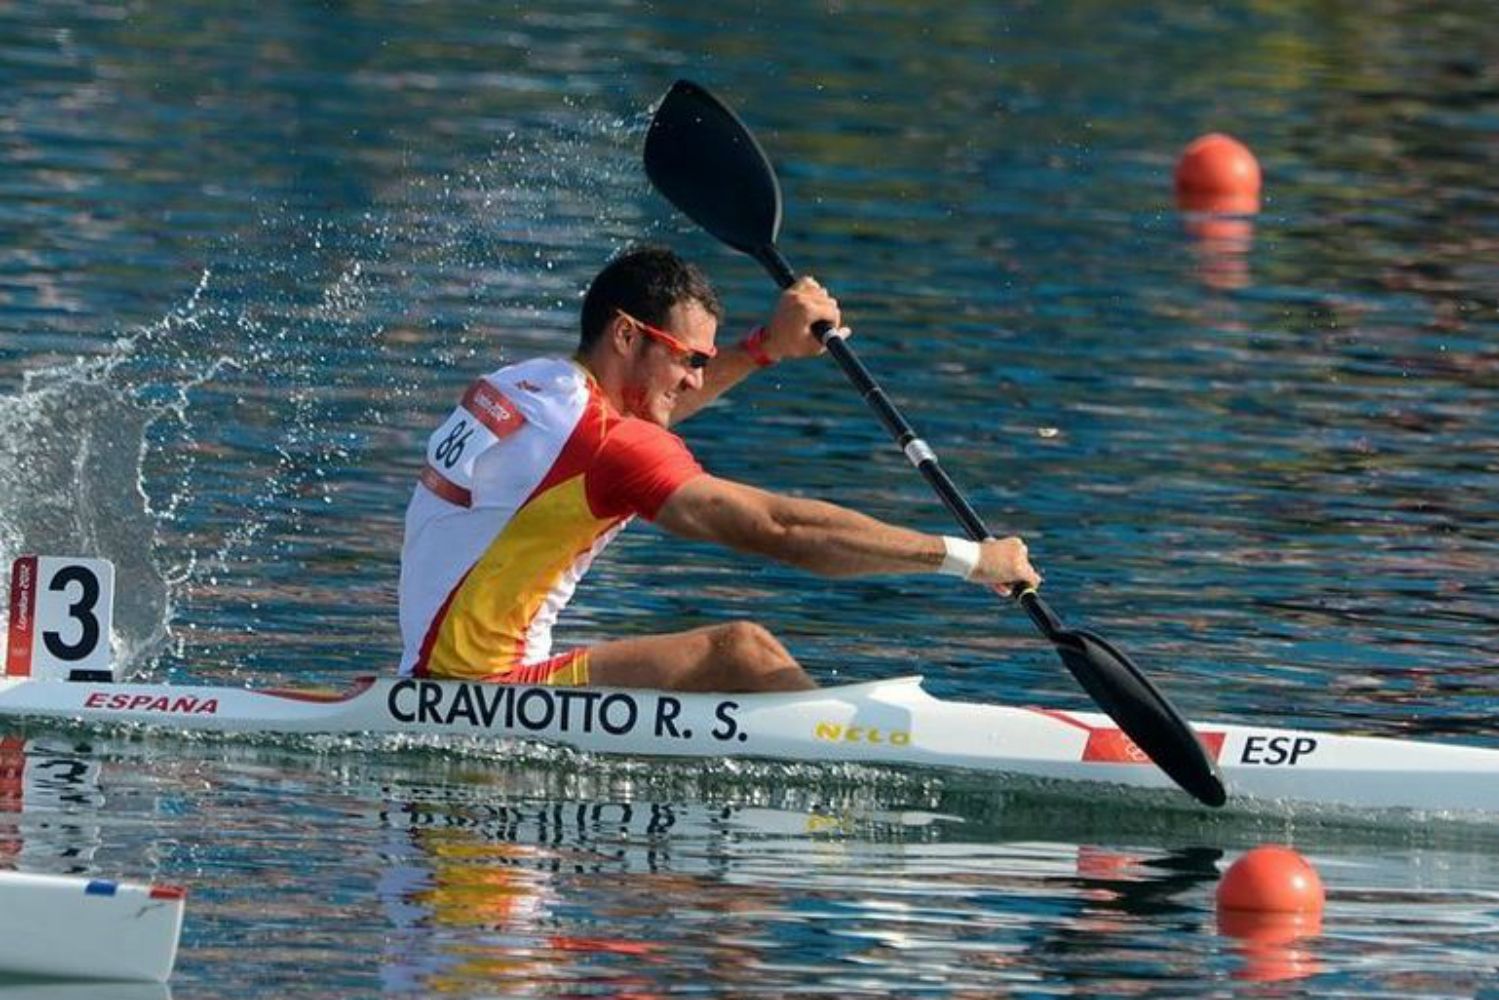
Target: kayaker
point(545, 461)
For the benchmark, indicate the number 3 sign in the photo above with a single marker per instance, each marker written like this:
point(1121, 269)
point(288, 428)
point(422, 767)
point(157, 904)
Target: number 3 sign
point(60, 616)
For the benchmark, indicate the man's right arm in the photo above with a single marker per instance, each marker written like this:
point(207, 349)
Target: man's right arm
point(824, 538)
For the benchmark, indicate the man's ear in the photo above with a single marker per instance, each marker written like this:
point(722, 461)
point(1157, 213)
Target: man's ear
point(620, 334)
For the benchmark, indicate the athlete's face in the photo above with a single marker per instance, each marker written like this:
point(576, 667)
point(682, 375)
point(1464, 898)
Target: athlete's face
point(663, 371)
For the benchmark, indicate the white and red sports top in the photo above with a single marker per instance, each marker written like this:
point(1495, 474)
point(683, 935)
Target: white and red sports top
point(526, 481)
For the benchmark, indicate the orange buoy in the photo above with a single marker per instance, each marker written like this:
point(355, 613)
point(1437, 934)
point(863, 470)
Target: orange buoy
point(1270, 900)
point(1218, 173)
point(1272, 879)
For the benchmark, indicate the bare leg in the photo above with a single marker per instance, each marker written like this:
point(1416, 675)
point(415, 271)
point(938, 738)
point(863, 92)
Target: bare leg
point(739, 656)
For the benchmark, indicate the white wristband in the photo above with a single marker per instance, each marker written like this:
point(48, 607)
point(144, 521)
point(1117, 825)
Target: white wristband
point(962, 557)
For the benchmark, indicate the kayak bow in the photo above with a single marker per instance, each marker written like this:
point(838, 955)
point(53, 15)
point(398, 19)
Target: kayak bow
point(64, 927)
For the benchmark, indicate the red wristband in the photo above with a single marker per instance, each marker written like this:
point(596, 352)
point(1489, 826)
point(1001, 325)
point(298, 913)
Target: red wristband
point(754, 345)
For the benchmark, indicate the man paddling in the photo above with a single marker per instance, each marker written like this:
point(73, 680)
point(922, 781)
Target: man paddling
point(545, 461)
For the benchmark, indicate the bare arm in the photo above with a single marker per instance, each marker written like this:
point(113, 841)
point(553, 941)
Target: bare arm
point(820, 537)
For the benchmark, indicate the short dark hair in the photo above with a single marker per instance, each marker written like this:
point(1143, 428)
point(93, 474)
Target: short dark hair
point(646, 282)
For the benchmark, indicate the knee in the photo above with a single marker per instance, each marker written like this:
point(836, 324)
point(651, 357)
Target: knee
point(746, 642)
point(748, 658)
point(750, 652)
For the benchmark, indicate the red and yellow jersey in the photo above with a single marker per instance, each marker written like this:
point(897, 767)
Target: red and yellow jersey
point(525, 483)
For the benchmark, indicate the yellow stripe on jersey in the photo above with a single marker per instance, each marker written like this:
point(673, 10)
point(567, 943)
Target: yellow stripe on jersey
point(484, 626)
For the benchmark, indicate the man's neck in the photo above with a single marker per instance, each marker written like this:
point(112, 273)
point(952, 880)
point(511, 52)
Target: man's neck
point(601, 374)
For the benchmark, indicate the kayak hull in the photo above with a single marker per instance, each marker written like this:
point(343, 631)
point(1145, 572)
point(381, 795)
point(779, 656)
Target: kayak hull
point(63, 927)
point(892, 722)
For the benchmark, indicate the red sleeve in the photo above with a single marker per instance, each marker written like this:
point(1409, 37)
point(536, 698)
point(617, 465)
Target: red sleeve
point(639, 466)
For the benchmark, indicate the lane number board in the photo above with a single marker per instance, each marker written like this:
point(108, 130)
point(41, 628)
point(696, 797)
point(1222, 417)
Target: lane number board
point(61, 613)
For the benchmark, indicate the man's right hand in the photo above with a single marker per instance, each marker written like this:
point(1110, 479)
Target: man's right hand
point(1005, 562)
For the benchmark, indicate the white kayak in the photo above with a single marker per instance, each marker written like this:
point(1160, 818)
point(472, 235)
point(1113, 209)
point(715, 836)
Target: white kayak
point(891, 722)
point(63, 927)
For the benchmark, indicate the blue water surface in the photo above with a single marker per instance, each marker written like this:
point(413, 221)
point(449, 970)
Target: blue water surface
point(247, 262)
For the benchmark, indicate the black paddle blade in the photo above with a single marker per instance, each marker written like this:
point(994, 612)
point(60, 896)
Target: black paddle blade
point(1142, 712)
point(704, 160)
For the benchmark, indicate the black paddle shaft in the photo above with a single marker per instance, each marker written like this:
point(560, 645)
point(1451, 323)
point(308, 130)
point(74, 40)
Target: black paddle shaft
point(916, 450)
point(708, 163)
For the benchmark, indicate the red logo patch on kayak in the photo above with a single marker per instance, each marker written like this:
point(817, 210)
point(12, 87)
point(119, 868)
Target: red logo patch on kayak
point(1111, 746)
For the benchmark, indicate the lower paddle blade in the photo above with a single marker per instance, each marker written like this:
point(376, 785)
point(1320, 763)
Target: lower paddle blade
point(705, 161)
point(1142, 712)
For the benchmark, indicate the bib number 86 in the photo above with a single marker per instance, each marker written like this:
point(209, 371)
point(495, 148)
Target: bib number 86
point(450, 448)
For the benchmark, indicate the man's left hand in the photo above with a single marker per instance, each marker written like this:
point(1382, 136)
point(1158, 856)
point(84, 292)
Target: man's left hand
point(803, 305)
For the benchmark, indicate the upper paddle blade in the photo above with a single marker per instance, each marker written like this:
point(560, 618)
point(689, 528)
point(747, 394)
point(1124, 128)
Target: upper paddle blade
point(1142, 712)
point(708, 164)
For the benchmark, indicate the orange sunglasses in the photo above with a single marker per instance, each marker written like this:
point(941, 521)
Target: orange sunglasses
point(692, 357)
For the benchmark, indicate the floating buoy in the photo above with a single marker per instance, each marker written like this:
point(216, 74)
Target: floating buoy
point(1272, 879)
point(1218, 187)
point(1270, 900)
point(1218, 173)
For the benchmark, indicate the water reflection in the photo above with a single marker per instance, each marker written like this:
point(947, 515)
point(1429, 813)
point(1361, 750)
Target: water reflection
point(1274, 947)
point(15, 990)
point(49, 794)
point(1221, 243)
point(481, 888)
point(460, 870)
point(508, 877)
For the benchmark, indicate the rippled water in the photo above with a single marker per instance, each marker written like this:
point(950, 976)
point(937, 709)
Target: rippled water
point(245, 263)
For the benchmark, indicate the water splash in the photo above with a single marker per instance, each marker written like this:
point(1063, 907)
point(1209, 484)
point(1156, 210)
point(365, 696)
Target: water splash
point(119, 454)
point(71, 469)
point(217, 454)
